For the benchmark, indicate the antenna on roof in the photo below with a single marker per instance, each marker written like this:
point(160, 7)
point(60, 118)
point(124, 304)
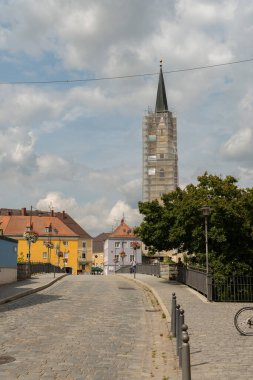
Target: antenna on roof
point(115, 224)
point(50, 206)
point(123, 220)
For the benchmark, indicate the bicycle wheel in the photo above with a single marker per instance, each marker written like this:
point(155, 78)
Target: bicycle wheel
point(243, 320)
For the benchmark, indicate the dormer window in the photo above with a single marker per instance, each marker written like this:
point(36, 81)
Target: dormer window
point(48, 229)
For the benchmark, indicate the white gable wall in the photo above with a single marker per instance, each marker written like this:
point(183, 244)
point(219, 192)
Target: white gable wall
point(113, 247)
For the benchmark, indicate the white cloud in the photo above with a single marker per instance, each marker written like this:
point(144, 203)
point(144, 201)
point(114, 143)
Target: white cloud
point(120, 209)
point(197, 12)
point(81, 144)
point(246, 174)
point(51, 166)
point(17, 149)
point(131, 191)
point(56, 201)
point(94, 217)
point(30, 106)
point(239, 146)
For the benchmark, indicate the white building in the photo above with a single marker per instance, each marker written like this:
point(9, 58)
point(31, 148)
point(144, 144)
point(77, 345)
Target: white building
point(118, 248)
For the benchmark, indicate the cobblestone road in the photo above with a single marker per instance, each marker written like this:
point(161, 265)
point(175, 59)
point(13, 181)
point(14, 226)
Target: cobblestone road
point(218, 351)
point(86, 327)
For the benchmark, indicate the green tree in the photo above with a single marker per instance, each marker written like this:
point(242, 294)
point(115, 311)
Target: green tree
point(178, 222)
point(154, 226)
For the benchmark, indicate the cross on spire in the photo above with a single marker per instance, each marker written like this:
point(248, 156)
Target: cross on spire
point(161, 98)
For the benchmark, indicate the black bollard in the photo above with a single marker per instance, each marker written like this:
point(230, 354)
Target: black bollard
point(173, 314)
point(177, 326)
point(181, 322)
point(186, 362)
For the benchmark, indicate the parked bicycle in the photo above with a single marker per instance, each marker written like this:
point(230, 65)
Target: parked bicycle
point(243, 320)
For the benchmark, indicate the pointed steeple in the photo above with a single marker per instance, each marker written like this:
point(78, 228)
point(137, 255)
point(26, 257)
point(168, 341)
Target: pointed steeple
point(161, 99)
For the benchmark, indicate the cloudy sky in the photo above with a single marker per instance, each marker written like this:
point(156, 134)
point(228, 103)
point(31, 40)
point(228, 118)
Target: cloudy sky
point(76, 146)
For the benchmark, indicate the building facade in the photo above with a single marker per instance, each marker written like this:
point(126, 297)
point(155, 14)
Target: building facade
point(8, 260)
point(48, 237)
point(160, 160)
point(98, 250)
point(120, 248)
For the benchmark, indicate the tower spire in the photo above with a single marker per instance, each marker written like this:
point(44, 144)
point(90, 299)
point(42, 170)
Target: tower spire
point(161, 99)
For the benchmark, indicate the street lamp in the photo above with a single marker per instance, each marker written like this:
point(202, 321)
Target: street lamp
point(49, 244)
point(135, 245)
point(29, 229)
point(31, 237)
point(206, 212)
point(115, 259)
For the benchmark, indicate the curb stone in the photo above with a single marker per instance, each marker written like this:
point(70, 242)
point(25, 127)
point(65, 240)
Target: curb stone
point(162, 305)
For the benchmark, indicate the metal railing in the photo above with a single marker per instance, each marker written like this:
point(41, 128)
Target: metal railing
point(224, 288)
point(150, 269)
point(196, 279)
point(233, 288)
point(25, 270)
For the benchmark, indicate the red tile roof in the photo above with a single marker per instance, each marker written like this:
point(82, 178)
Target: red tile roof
point(123, 230)
point(13, 222)
point(72, 224)
point(15, 225)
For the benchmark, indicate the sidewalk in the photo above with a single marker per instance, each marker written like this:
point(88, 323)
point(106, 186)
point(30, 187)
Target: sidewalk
point(218, 351)
point(15, 290)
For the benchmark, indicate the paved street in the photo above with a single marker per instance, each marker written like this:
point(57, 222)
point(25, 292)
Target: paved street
point(218, 351)
point(86, 327)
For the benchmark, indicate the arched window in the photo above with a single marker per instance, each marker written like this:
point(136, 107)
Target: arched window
point(161, 173)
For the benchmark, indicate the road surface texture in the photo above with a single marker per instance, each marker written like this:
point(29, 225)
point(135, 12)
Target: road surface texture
point(218, 351)
point(86, 327)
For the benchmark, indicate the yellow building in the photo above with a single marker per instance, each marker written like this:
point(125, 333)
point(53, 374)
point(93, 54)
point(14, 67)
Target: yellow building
point(98, 250)
point(48, 237)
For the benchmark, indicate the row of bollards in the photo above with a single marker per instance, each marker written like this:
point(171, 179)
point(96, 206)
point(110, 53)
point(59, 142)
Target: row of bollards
point(179, 331)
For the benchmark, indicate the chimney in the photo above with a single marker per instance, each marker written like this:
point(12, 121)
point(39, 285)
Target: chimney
point(63, 215)
point(52, 212)
point(23, 211)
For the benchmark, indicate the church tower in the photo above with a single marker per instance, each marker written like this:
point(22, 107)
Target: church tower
point(159, 136)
